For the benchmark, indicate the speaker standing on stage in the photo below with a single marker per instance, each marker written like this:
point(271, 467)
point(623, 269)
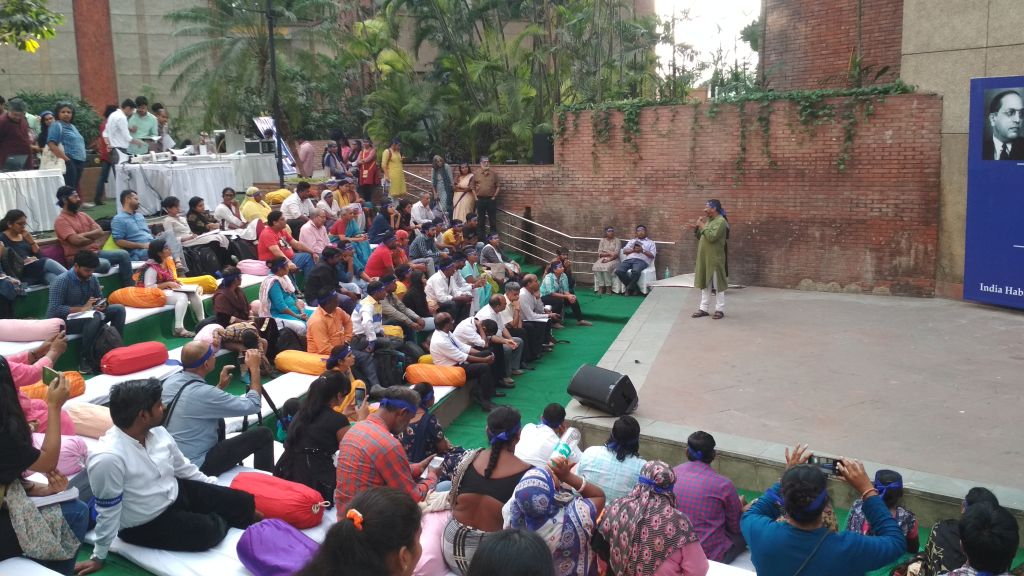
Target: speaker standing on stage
point(712, 230)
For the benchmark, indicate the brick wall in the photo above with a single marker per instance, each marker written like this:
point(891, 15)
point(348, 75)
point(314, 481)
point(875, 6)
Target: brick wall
point(802, 224)
point(808, 43)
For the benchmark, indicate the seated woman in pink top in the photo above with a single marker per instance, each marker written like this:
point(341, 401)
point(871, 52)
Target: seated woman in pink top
point(632, 525)
point(27, 369)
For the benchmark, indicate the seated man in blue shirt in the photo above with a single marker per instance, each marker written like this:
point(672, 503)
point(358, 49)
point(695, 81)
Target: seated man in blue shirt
point(77, 290)
point(194, 411)
point(131, 233)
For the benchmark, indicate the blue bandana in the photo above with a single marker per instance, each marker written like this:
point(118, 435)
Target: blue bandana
point(504, 436)
point(396, 404)
point(201, 361)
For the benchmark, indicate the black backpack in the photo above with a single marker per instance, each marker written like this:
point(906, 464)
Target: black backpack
point(107, 338)
point(288, 339)
point(242, 249)
point(201, 260)
point(390, 367)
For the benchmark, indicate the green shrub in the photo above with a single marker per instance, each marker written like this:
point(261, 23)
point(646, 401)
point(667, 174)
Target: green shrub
point(86, 119)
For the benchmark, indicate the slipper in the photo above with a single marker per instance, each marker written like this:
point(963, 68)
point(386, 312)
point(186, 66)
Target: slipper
point(718, 316)
point(699, 314)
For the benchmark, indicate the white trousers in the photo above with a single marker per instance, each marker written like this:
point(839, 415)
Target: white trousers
point(181, 302)
point(705, 295)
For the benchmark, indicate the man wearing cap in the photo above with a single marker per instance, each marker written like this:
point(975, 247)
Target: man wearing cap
point(637, 255)
point(421, 211)
point(447, 350)
point(298, 206)
point(193, 412)
point(487, 186)
point(712, 230)
point(381, 262)
point(423, 250)
point(76, 231)
point(313, 234)
point(254, 207)
point(443, 294)
point(228, 212)
point(396, 313)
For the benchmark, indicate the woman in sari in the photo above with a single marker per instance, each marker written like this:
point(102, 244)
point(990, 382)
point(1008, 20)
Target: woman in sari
point(424, 437)
point(160, 273)
point(358, 238)
point(644, 533)
point(369, 171)
point(465, 197)
point(278, 297)
point(607, 261)
point(564, 518)
point(479, 278)
point(441, 181)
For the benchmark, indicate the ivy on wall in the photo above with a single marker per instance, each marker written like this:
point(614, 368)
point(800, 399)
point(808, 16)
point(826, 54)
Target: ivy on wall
point(847, 107)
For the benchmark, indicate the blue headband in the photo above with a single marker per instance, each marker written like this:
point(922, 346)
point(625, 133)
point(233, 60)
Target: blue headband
point(278, 264)
point(229, 278)
point(550, 424)
point(613, 445)
point(201, 361)
point(339, 356)
point(883, 488)
point(398, 405)
point(426, 398)
point(818, 503)
point(695, 454)
point(659, 489)
point(504, 436)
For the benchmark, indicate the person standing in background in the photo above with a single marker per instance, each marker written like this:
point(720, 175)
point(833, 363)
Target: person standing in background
point(307, 158)
point(394, 169)
point(142, 126)
point(712, 261)
point(488, 186)
point(441, 181)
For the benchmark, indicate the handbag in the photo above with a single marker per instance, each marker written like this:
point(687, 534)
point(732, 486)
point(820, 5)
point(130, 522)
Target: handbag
point(12, 262)
point(50, 161)
point(42, 532)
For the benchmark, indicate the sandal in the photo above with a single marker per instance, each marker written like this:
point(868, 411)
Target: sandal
point(699, 314)
point(182, 333)
point(718, 316)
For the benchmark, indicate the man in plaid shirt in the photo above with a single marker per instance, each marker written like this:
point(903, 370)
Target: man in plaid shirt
point(369, 455)
point(709, 500)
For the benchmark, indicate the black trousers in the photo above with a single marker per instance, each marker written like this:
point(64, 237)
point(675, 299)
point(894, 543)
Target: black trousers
point(500, 367)
point(198, 520)
point(228, 453)
point(558, 305)
point(487, 215)
point(485, 383)
point(458, 310)
point(537, 334)
point(296, 224)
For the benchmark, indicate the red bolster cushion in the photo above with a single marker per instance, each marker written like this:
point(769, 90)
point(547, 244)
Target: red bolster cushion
point(134, 358)
point(296, 504)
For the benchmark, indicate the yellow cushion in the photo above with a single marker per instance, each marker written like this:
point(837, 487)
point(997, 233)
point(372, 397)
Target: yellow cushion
point(277, 196)
point(207, 282)
point(110, 244)
point(38, 391)
point(394, 331)
point(301, 362)
point(425, 359)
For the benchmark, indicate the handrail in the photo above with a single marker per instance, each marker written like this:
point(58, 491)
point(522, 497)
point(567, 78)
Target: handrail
point(417, 176)
point(563, 234)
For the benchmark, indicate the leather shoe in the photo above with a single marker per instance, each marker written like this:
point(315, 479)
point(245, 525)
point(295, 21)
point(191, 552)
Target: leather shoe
point(518, 372)
point(499, 394)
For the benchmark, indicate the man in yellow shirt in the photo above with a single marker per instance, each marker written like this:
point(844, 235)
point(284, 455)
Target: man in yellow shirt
point(254, 207)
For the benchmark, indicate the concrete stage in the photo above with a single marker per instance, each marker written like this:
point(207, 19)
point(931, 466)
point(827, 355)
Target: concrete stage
point(933, 388)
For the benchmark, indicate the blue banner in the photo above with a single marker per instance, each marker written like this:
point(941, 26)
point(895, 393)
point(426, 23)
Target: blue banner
point(994, 250)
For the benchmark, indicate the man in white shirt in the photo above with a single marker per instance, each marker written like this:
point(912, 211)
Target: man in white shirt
point(536, 318)
point(147, 492)
point(512, 346)
point(443, 294)
point(637, 255)
point(538, 441)
point(447, 350)
point(298, 206)
point(116, 132)
point(421, 211)
point(143, 127)
point(228, 211)
point(314, 233)
point(368, 330)
point(481, 334)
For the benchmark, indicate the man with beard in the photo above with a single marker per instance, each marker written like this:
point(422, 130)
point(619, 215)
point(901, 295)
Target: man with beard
point(1005, 114)
point(76, 231)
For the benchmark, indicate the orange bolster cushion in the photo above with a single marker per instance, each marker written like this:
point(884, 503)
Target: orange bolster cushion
point(435, 375)
point(301, 362)
point(136, 297)
point(75, 380)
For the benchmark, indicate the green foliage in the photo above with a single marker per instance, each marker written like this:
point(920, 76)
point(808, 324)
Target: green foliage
point(86, 119)
point(24, 23)
point(751, 34)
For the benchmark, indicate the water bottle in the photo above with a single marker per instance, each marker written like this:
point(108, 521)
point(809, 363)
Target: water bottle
point(667, 273)
point(567, 444)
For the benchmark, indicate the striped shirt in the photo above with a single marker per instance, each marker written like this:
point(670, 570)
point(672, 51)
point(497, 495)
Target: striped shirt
point(370, 456)
point(69, 290)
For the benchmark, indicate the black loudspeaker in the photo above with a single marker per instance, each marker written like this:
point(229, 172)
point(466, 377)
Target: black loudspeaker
point(605, 390)
point(543, 149)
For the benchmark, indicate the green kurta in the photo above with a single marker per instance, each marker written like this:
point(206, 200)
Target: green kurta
point(711, 254)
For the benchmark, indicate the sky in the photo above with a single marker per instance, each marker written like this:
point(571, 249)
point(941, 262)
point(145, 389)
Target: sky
point(712, 24)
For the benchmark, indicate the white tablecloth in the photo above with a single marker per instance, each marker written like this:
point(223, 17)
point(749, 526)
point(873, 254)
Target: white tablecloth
point(34, 192)
point(249, 168)
point(154, 182)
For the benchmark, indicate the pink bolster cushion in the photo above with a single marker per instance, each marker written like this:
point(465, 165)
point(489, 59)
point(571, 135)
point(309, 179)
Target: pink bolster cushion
point(254, 267)
point(29, 330)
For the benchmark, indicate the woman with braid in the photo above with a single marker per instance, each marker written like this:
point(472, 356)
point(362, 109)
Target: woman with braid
point(484, 481)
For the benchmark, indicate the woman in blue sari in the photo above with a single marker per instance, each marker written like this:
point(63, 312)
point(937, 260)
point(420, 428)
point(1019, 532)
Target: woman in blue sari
point(353, 233)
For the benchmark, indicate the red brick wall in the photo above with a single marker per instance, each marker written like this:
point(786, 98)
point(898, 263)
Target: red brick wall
point(808, 43)
point(873, 227)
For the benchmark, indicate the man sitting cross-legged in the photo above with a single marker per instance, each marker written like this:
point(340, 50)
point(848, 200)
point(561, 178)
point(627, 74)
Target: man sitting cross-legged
point(147, 492)
point(195, 410)
point(447, 350)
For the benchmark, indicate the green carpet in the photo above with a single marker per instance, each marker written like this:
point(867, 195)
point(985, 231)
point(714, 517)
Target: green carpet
point(535, 390)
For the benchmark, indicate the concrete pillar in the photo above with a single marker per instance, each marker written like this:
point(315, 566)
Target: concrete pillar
point(96, 69)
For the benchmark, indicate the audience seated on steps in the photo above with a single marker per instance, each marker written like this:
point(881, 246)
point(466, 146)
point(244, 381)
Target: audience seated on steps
point(325, 275)
point(537, 320)
point(424, 438)
point(709, 500)
point(19, 244)
point(330, 327)
point(131, 233)
point(369, 455)
point(315, 432)
point(481, 485)
point(423, 250)
point(276, 241)
point(147, 492)
point(396, 313)
point(157, 274)
point(298, 206)
point(77, 292)
point(254, 207)
point(889, 485)
point(492, 257)
point(230, 304)
point(181, 228)
point(26, 368)
point(368, 329)
point(538, 440)
point(781, 548)
point(512, 346)
point(447, 292)
point(944, 552)
point(377, 533)
point(381, 262)
point(351, 274)
point(76, 231)
point(512, 553)
point(446, 350)
point(643, 533)
point(18, 457)
point(989, 534)
point(228, 212)
point(313, 233)
point(615, 466)
point(194, 412)
point(477, 334)
point(279, 298)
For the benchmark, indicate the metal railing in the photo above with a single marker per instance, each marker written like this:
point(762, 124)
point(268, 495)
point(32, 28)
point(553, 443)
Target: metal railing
point(539, 243)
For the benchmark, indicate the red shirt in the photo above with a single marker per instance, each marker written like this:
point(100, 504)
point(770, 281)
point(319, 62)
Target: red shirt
point(68, 225)
point(14, 139)
point(380, 262)
point(270, 237)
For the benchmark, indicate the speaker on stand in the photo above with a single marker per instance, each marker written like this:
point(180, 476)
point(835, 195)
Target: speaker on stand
point(605, 390)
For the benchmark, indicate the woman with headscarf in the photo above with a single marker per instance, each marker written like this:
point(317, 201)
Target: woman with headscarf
point(441, 182)
point(607, 260)
point(464, 197)
point(255, 207)
point(646, 535)
point(564, 518)
point(359, 239)
point(278, 297)
point(67, 143)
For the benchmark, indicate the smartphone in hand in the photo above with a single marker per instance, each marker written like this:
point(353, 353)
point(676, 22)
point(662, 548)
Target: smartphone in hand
point(50, 377)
